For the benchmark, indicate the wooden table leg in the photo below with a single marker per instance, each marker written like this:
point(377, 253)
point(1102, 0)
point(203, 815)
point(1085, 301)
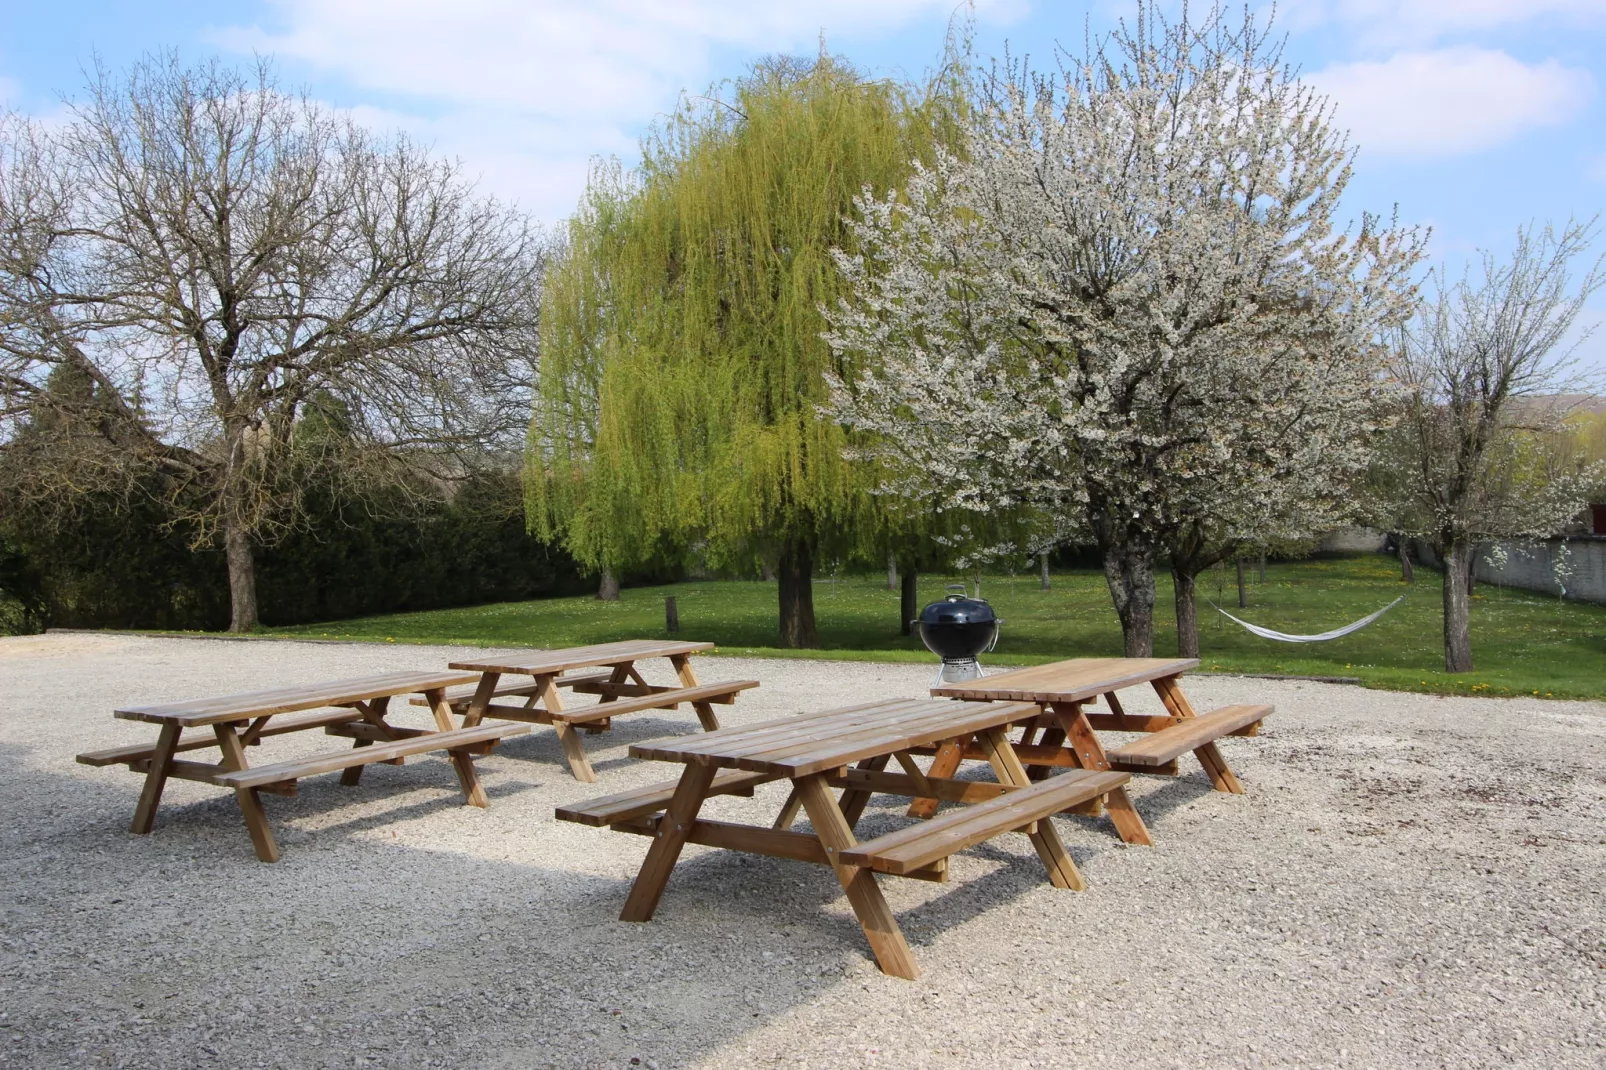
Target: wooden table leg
point(483, 693)
point(854, 800)
point(944, 764)
point(462, 761)
point(667, 842)
point(1085, 745)
point(1221, 775)
point(864, 895)
point(150, 797)
point(573, 750)
point(789, 809)
point(256, 819)
point(1062, 871)
point(373, 712)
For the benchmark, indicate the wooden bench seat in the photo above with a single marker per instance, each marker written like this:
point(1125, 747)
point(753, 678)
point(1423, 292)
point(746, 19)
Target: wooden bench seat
point(128, 755)
point(1191, 733)
point(629, 805)
point(724, 693)
point(458, 698)
point(900, 853)
point(457, 738)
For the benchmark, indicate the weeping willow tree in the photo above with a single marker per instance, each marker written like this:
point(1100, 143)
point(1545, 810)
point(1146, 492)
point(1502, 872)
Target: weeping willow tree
point(683, 367)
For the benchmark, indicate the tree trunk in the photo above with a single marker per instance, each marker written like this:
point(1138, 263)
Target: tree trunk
point(608, 588)
point(796, 573)
point(242, 577)
point(1187, 614)
point(1405, 560)
point(892, 572)
point(1243, 599)
point(766, 570)
point(1042, 566)
point(908, 602)
point(1458, 559)
point(1130, 574)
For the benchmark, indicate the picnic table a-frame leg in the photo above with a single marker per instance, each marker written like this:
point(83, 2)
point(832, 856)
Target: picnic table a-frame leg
point(667, 842)
point(568, 736)
point(1176, 703)
point(256, 819)
point(150, 796)
point(864, 895)
point(1082, 743)
point(462, 761)
point(1007, 768)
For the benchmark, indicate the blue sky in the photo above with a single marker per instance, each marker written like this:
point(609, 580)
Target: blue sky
point(1473, 116)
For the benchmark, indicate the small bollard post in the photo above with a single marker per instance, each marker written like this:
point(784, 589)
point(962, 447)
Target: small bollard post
point(671, 616)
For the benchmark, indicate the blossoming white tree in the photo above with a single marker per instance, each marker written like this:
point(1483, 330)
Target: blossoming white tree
point(1481, 366)
point(1128, 302)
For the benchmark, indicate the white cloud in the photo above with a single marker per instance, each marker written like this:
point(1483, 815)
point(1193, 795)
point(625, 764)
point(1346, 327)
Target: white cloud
point(1449, 102)
point(527, 92)
point(1392, 23)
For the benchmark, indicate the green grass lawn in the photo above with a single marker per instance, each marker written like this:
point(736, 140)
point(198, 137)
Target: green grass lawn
point(1523, 643)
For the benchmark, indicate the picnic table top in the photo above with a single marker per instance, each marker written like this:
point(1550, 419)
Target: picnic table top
point(539, 662)
point(205, 711)
point(1067, 681)
point(812, 743)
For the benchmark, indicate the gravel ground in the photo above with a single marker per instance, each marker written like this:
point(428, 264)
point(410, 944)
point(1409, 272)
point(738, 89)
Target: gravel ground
point(1410, 881)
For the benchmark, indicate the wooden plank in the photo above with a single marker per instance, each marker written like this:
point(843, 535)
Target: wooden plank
point(1189, 733)
point(941, 788)
point(792, 846)
point(241, 707)
point(124, 755)
point(463, 696)
point(660, 700)
point(758, 736)
point(875, 917)
point(639, 802)
point(1073, 680)
point(537, 662)
point(828, 742)
point(667, 842)
point(329, 763)
point(955, 830)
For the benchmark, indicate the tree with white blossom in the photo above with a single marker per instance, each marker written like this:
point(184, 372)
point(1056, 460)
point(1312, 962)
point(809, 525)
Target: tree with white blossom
point(1484, 366)
point(1127, 301)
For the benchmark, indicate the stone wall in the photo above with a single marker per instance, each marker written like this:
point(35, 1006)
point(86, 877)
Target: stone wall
point(1531, 566)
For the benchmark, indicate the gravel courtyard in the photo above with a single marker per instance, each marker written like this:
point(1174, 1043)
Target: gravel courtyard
point(1410, 882)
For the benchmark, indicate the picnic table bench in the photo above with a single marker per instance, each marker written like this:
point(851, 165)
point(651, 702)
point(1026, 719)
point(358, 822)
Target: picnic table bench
point(238, 722)
point(620, 686)
point(1062, 689)
point(850, 749)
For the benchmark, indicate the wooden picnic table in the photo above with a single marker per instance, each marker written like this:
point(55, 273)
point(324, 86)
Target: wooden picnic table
point(620, 686)
point(850, 749)
point(353, 708)
point(1062, 689)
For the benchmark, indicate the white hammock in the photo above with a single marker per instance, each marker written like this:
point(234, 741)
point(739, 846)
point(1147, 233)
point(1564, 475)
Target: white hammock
point(1284, 637)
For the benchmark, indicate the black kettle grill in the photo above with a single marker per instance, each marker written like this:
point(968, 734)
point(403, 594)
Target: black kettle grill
point(957, 630)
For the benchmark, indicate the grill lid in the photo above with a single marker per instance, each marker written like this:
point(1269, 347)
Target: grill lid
point(958, 608)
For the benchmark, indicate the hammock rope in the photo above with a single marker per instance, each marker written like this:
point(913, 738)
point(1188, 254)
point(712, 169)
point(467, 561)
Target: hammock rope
point(1284, 637)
